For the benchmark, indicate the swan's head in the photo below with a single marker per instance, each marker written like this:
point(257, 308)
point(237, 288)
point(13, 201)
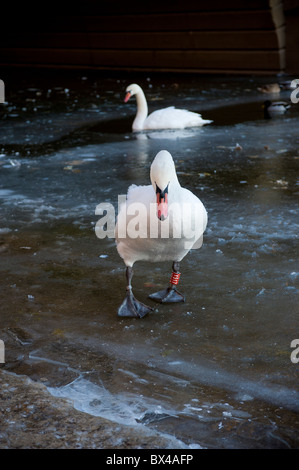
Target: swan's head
point(132, 90)
point(163, 175)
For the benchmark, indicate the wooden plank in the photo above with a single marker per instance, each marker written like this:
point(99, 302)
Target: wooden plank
point(191, 59)
point(108, 7)
point(46, 40)
point(18, 66)
point(237, 60)
point(231, 40)
point(292, 40)
point(46, 56)
point(174, 35)
point(235, 20)
point(186, 21)
point(289, 5)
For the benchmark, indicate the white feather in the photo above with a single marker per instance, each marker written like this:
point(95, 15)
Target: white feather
point(166, 118)
point(140, 235)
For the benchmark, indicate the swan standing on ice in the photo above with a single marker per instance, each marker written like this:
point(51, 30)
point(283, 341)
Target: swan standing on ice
point(166, 118)
point(171, 220)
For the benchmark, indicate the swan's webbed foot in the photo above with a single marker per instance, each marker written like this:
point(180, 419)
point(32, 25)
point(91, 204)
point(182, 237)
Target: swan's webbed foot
point(131, 307)
point(169, 295)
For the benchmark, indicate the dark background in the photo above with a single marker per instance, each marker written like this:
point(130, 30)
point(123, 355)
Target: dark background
point(232, 36)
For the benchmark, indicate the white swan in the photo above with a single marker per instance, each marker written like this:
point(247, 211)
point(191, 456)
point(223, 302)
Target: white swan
point(167, 118)
point(159, 222)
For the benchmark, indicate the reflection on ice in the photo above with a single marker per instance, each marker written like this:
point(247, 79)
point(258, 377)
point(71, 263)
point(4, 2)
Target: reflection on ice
point(121, 408)
point(168, 134)
point(97, 401)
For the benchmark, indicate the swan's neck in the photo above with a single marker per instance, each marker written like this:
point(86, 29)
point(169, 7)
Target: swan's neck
point(174, 190)
point(142, 111)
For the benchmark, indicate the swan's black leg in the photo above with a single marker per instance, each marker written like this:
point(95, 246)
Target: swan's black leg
point(170, 295)
point(131, 307)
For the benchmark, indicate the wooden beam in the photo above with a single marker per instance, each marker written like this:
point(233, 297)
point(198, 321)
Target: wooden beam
point(219, 40)
point(237, 60)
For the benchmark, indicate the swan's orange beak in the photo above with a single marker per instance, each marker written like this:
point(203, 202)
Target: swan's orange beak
point(127, 97)
point(162, 204)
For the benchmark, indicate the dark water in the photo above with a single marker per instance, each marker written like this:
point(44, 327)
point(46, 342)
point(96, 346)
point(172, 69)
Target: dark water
point(213, 372)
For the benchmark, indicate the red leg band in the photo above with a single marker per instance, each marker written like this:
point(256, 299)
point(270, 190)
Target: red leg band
point(175, 277)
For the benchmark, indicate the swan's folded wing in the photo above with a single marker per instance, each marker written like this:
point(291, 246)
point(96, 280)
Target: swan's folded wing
point(173, 118)
point(143, 194)
point(137, 203)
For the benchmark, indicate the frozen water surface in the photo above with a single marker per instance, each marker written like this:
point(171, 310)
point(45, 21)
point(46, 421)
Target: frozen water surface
point(213, 372)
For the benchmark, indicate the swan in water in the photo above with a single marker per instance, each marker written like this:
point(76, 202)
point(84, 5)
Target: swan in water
point(170, 221)
point(166, 118)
